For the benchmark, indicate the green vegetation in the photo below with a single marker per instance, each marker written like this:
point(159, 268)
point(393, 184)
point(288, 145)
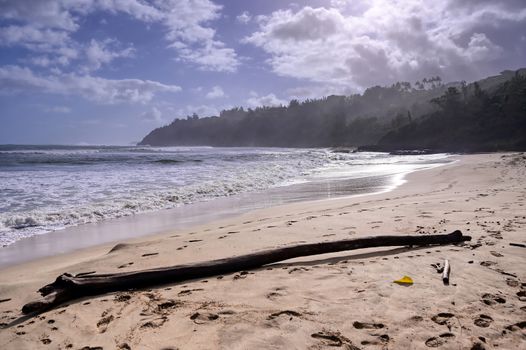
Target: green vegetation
point(469, 119)
point(484, 116)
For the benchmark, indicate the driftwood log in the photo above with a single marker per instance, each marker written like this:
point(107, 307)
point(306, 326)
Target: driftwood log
point(68, 287)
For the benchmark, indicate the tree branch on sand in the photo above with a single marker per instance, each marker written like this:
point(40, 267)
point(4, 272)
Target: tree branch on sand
point(68, 287)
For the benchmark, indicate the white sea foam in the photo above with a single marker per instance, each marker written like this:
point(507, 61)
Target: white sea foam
point(48, 189)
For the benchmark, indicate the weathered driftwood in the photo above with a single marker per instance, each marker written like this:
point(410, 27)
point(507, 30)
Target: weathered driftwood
point(445, 272)
point(67, 287)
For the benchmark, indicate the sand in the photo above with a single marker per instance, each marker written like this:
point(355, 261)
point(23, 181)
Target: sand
point(346, 300)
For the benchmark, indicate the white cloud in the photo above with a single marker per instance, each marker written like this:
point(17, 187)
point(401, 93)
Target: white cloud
point(15, 79)
point(244, 17)
point(153, 115)
point(338, 3)
point(99, 53)
point(213, 56)
point(32, 37)
point(42, 13)
point(268, 100)
point(216, 92)
point(190, 36)
point(48, 25)
point(380, 41)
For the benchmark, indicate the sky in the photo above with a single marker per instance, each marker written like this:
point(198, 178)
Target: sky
point(109, 71)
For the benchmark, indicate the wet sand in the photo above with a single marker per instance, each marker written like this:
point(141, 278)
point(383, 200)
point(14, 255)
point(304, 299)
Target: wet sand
point(344, 300)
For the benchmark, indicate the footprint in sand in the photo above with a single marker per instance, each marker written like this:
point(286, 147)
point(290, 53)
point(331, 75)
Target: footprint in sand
point(492, 299)
point(478, 346)
point(121, 298)
point(414, 320)
point(483, 321)
point(149, 254)
point(517, 326)
point(103, 323)
point(276, 293)
point(367, 325)
point(496, 254)
point(155, 323)
point(168, 305)
point(335, 339)
point(522, 295)
point(298, 269)
point(442, 318)
point(380, 340)
point(202, 318)
point(241, 275)
point(435, 342)
point(188, 291)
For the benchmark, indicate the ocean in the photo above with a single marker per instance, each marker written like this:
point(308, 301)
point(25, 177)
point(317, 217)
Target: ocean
point(50, 188)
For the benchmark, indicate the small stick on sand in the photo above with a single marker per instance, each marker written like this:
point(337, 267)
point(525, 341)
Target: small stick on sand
point(445, 273)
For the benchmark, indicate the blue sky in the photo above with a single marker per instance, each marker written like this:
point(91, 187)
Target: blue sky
point(109, 71)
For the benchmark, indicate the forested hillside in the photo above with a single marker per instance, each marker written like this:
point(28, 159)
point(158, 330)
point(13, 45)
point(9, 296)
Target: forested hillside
point(469, 120)
point(489, 114)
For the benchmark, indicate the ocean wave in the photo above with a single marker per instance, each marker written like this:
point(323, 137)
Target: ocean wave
point(42, 199)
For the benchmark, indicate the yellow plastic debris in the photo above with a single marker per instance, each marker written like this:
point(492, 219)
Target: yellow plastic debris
point(404, 280)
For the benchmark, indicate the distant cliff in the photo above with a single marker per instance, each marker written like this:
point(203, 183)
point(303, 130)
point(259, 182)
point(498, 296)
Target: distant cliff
point(486, 115)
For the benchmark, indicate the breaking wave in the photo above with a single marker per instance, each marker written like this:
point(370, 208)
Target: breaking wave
point(45, 189)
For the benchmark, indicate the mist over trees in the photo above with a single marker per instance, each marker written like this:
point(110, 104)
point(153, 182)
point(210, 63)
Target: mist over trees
point(469, 119)
point(486, 115)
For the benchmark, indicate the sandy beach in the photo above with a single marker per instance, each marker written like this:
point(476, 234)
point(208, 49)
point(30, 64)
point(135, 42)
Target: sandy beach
point(346, 300)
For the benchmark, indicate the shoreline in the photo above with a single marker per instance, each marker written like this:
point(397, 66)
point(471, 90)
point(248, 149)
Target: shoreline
point(143, 225)
point(313, 301)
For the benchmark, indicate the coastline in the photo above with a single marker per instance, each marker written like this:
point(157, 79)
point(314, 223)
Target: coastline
point(483, 195)
point(145, 224)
